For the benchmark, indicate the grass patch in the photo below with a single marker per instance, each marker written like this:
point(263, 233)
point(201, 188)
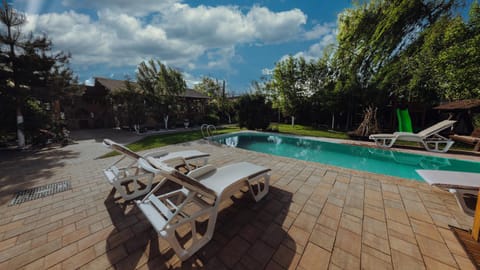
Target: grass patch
point(160, 140)
point(309, 131)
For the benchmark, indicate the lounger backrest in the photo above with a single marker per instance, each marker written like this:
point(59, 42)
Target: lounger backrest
point(436, 128)
point(153, 165)
point(121, 149)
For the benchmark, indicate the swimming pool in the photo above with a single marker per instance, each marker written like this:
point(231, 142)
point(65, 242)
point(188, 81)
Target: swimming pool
point(375, 160)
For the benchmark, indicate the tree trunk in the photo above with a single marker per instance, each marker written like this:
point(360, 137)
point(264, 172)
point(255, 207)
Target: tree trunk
point(293, 121)
point(20, 124)
point(165, 120)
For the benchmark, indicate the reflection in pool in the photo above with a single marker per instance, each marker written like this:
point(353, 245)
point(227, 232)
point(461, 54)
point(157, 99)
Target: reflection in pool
point(381, 161)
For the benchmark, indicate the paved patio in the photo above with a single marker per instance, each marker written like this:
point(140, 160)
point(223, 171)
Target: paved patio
point(315, 217)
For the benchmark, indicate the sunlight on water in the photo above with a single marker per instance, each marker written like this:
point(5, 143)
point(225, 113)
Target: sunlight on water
point(375, 160)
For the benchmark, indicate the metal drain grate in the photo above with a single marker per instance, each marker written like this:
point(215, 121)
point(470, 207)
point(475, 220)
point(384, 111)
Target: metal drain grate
point(40, 192)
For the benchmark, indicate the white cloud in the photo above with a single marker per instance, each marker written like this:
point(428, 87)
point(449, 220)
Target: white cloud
point(319, 31)
point(176, 33)
point(326, 33)
point(275, 27)
point(136, 7)
point(267, 71)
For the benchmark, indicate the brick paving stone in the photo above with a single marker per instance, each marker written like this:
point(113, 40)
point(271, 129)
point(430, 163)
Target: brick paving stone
point(332, 211)
point(8, 243)
point(299, 237)
point(344, 259)
point(374, 263)
point(60, 255)
point(374, 212)
point(272, 265)
point(404, 262)
point(349, 242)
point(284, 256)
point(233, 251)
point(375, 227)
point(248, 263)
point(315, 257)
point(398, 215)
point(323, 237)
point(464, 263)
point(274, 235)
point(435, 249)
point(305, 222)
point(375, 242)
point(79, 259)
point(261, 253)
point(452, 243)
point(436, 265)
point(75, 235)
point(34, 254)
point(426, 229)
point(351, 223)
point(381, 255)
point(417, 210)
point(405, 247)
point(328, 222)
point(443, 220)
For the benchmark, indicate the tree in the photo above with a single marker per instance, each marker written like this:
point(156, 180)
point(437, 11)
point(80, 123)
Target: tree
point(161, 84)
point(30, 74)
point(129, 105)
point(13, 20)
point(290, 85)
point(254, 111)
point(219, 103)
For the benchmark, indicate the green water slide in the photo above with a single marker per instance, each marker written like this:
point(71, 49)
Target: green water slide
point(404, 121)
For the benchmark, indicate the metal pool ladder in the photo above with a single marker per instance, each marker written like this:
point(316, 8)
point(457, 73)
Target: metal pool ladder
point(208, 130)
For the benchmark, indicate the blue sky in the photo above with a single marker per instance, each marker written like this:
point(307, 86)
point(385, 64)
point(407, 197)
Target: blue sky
point(236, 41)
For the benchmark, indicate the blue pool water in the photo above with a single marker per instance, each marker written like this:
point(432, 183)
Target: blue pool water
point(381, 161)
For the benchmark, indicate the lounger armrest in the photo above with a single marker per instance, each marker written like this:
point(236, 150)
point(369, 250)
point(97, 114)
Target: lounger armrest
point(157, 167)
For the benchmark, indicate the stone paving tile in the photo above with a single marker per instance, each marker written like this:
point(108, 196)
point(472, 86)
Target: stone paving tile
point(314, 257)
point(315, 217)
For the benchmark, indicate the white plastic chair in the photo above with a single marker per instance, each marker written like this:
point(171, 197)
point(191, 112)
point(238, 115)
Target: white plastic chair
point(463, 185)
point(429, 137)
point(202, 190)
point(131, 181)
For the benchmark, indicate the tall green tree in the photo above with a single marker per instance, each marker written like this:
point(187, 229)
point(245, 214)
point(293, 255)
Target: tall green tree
point(30, 73)
point(161, 84)
point(219, 102)
point(290, 86)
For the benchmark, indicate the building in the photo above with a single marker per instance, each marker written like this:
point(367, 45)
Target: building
point(96, 108)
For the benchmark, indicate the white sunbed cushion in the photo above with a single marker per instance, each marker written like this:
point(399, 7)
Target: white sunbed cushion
point(228, 175)
point(450, 178)
point(187, 154)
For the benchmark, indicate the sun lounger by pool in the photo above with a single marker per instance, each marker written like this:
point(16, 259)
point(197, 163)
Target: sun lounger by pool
point(131, 182)
point(474, 139)
point(464, 185)
point(429, 137)
point(198, 200)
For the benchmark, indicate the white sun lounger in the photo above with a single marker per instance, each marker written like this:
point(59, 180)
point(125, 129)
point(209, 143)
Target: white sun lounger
point(198, 200)
point(429, 137)
point(464, 185)
point(119, 177)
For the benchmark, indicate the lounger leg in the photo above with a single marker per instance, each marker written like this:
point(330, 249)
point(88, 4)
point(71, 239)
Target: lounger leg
point(259, 188)
point(196, 242)
point(385, 142)
point(436, 146)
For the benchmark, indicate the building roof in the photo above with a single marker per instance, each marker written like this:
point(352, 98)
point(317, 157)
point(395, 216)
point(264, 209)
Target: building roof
point(115, 85)
point(459, 105)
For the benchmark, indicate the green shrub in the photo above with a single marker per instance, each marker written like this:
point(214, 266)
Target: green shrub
point(254, 112)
